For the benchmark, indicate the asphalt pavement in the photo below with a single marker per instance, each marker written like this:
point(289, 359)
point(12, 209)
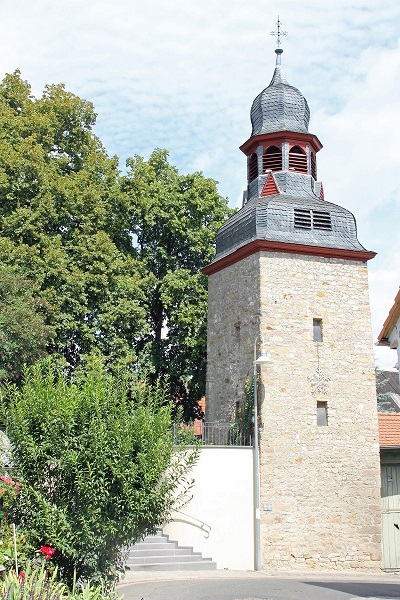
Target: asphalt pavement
point(250, 585)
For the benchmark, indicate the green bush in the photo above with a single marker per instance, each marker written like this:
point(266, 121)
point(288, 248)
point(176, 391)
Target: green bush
point(96, 463)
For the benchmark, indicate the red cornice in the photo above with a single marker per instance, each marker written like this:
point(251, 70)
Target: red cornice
point(280, 136)
point(266, 246)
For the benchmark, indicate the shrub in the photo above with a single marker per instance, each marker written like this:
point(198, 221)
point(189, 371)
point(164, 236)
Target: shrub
point(96, 464)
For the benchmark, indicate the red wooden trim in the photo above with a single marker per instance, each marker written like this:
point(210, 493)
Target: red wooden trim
point(266, 246)
point(272, 139)
point(270, 187)
point(391, 321)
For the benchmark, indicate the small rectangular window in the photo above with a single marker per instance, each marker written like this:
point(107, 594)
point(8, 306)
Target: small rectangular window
point(317, 330)
point(322, 414)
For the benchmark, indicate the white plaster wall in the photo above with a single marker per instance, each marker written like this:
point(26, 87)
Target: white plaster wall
point(222, 499)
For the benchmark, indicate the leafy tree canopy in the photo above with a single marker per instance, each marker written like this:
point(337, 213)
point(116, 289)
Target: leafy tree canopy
point(174, 219)
point(116, 258)
point(23, 332)
point(60, 222)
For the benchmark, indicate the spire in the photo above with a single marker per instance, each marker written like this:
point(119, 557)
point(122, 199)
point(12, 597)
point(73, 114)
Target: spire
point(280, 106)
point(278, 76)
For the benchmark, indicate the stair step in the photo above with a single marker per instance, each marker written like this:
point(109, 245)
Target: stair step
point(154, 547)
point(174, 551)
point(158, 553)
point(140, 560)
point(154, 539)
point(205, 565)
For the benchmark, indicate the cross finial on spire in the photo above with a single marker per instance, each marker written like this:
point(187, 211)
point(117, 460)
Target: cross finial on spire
point(278, 33)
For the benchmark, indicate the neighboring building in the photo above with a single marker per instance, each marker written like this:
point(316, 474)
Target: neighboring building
point(389, 439)
point(289, 266)
point(389, 436)
point(390, 334)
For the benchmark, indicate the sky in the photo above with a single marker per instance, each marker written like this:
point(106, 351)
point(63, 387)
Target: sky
point(182, 75)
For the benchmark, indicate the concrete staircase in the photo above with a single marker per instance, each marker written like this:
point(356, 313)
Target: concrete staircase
point(158, 553)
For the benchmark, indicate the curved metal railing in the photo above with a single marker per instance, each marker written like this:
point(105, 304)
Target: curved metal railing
point(183, 518)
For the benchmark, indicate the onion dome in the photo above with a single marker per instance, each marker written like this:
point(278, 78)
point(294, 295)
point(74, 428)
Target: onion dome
point(280, 107)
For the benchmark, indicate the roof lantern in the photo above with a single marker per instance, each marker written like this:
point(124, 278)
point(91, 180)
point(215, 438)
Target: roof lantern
point(284, 207)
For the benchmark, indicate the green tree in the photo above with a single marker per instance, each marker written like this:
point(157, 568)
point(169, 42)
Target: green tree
point(23, 330)
point(174, 219)
point(117, 259)
point(96, 463)
point(62, 223)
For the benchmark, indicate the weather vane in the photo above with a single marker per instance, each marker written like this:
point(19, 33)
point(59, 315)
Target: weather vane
point(278, 34)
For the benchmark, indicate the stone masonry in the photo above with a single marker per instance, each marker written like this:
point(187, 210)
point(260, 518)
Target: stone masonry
point(322, 482)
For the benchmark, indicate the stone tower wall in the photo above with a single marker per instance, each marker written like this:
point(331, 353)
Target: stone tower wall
point(322, 483)
point(233, 323)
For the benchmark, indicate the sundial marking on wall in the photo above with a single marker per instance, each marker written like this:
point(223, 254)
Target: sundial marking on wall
point(319, 381)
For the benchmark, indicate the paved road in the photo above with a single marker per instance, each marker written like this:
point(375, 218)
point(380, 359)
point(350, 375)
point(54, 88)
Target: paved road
point(261, 588)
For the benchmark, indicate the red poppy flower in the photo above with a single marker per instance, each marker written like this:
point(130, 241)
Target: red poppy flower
point(48, 551)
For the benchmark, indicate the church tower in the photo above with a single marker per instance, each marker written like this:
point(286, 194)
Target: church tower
point(289, 267)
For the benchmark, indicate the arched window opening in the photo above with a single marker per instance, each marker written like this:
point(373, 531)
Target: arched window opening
point(272, 159)
point(252, 167)
point(297, 160)
point(313, 166)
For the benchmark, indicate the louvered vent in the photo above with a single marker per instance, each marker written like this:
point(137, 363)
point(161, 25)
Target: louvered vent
point(272, 159)
point(252, 167)
point(312, 219)
point(297, 160)
point(321, 220)
point(313, 167)
point(302, 218)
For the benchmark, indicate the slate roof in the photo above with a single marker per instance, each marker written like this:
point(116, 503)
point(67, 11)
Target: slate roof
point(272, 218)
point(389, 388)
point(279, 107)
point(390, 382)
point(389, 430)
point(275, 218)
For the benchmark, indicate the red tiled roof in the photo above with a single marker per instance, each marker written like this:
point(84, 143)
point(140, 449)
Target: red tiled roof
point(389, 430)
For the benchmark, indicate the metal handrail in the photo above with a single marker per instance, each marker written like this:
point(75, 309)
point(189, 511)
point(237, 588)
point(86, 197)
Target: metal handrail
point(206, 529)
